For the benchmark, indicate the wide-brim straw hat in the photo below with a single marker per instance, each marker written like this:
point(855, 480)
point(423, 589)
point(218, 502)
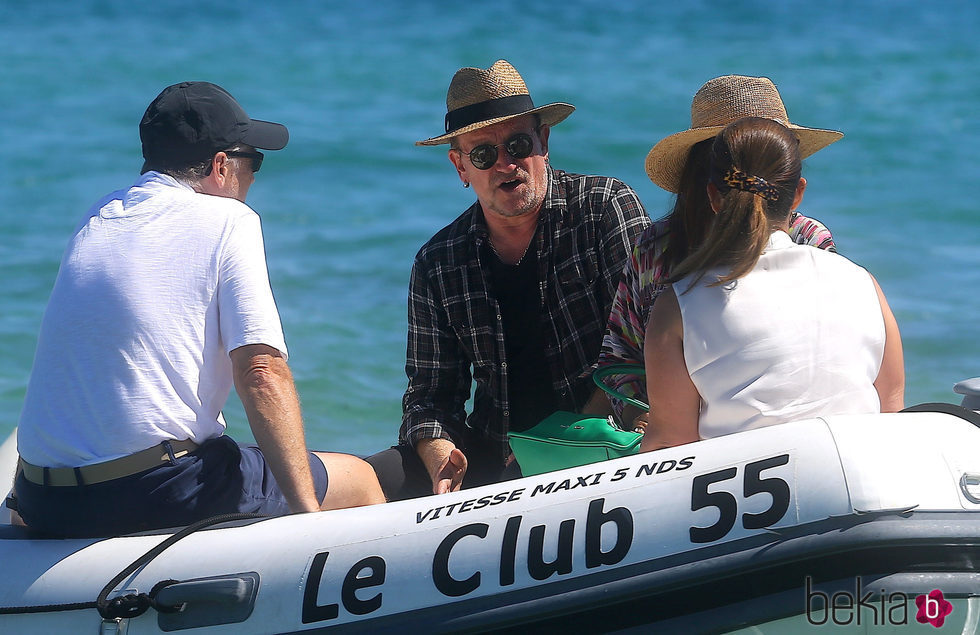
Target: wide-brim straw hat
point(480, 97)
point(718, 103)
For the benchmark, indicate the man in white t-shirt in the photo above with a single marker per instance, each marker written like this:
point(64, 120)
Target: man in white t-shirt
point(162, 302)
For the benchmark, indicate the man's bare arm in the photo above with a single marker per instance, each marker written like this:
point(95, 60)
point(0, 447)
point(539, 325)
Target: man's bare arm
point(265, 386)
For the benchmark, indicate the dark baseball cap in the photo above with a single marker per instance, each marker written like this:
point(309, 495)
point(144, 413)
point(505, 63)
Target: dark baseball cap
point(190, 121)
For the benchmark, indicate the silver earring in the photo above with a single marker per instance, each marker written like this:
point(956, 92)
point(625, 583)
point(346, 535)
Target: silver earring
point(466, 183)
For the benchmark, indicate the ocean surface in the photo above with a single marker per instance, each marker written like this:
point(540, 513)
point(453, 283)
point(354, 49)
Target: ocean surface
point(348, 203)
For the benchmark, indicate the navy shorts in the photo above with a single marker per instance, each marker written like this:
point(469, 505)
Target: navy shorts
point(219, 477)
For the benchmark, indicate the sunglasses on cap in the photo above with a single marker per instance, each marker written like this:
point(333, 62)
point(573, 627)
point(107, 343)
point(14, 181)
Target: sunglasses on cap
point(484, 156)
point(255, 156)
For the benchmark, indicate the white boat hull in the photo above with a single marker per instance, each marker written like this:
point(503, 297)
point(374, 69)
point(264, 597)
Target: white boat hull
point(708, 531)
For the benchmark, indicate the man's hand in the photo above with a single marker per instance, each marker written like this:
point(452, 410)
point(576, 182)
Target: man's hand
point(449, 478)
point(445, 462)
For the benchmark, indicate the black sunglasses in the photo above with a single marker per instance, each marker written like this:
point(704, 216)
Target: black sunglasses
point(484, 156)
point(255, 156)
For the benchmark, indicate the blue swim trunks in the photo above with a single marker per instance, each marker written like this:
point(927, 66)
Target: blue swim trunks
point(219, 477)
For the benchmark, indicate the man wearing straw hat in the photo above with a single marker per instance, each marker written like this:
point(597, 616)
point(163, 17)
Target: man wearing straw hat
point(678, 163)
point(513, 294)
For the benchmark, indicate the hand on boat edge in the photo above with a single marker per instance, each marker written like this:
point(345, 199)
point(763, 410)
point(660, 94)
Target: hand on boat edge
point(449, 477)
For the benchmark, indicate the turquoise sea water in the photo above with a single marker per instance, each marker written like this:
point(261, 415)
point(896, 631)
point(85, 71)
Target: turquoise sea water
point(349, 201)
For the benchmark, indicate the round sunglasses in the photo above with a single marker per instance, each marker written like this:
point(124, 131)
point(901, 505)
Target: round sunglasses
point(484, 156)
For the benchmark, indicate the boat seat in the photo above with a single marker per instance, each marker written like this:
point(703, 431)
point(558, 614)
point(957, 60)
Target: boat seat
point(970, 389)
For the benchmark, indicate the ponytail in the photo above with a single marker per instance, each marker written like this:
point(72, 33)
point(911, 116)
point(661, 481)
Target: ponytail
point(755, 165)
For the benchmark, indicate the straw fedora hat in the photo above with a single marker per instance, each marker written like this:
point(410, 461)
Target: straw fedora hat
point(718, 103)
point(479, 98)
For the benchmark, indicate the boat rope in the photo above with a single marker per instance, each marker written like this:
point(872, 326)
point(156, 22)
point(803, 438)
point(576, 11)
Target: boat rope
point(132, 604)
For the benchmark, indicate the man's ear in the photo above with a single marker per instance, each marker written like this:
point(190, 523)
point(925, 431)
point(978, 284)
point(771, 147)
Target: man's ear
point(215, 180)
point(543, 133)
point(220, 166)
point(456, 158)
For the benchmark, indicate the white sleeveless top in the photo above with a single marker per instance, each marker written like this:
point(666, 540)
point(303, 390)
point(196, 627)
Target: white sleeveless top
point(799, 336)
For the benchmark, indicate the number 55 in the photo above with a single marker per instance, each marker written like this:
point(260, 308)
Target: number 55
point(727, 505)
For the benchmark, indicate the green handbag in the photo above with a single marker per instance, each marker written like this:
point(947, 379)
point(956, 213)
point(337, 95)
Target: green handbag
point(568, 439)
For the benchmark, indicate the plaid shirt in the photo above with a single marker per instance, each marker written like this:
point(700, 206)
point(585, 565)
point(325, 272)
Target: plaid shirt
point(586, 228)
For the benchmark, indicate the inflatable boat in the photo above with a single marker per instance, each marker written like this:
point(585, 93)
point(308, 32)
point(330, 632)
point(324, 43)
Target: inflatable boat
point(868, 521)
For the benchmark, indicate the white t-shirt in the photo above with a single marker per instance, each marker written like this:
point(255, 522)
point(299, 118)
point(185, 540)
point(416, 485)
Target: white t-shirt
point(800, 336)
point(157, 285)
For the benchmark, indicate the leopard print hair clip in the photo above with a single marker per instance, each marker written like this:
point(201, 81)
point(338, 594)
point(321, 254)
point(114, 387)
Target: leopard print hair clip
point(739, 180)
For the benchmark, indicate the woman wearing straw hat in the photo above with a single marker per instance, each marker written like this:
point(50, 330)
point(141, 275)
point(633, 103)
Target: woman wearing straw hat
point(513, 295)
point(733, 343)
point(678, 163)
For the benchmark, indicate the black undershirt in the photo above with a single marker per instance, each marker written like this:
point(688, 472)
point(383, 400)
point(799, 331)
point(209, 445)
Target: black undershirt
point(529, 388)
